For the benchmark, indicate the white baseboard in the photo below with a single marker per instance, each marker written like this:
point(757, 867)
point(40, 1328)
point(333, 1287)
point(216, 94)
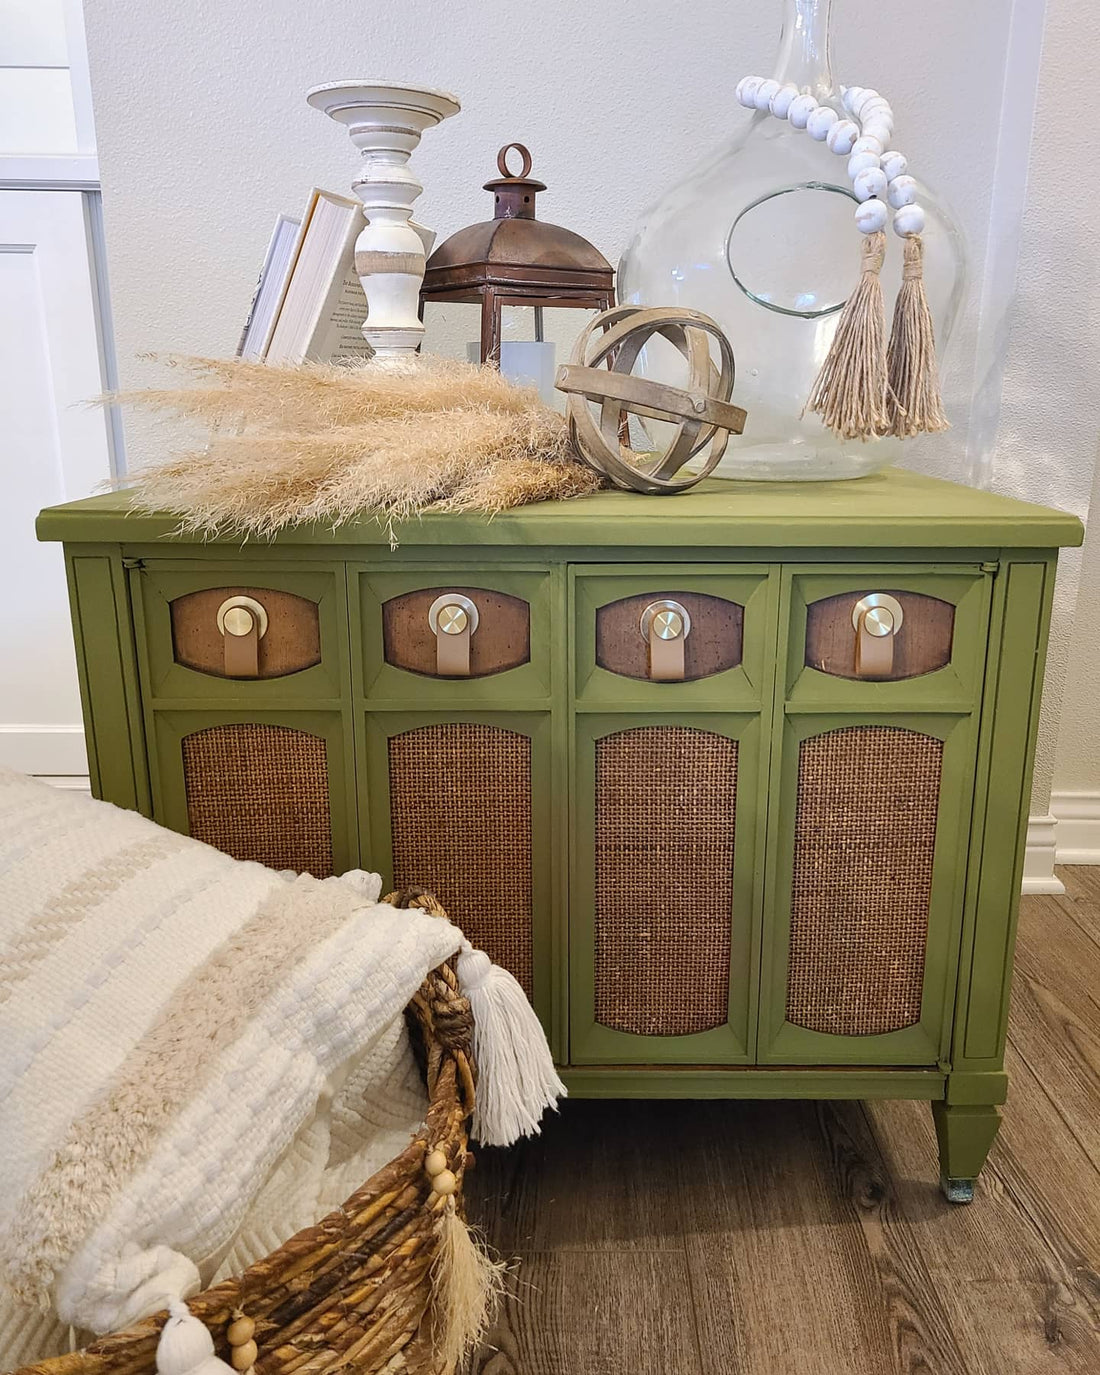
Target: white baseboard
point(69, 782)
point(1040, 856)
point(54, 750)
point(1078, 831)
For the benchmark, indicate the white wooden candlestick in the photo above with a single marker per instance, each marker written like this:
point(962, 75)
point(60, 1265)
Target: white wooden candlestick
point(385, 123)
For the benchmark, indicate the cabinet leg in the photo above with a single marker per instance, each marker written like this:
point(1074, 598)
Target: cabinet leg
point(965, 1134)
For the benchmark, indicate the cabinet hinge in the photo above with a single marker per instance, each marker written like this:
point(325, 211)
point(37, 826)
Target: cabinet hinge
point(132, 563)
point(993, 568)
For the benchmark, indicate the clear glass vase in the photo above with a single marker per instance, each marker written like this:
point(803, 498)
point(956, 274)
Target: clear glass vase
point(761, 237)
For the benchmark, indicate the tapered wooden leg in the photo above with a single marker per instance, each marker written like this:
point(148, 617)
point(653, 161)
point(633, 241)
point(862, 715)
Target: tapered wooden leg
point(965, 1133)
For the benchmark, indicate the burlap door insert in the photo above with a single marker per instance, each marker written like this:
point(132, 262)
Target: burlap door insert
point(460, 819)
point(666, 799)
point(261, 792)
point(865, 837)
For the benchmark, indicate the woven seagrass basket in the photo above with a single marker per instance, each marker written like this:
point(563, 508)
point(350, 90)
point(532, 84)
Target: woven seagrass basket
point(353, 1293)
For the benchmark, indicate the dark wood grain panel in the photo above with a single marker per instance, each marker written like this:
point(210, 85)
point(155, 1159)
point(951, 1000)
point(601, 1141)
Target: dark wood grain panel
point(502, 639)
point(292, 642)
point(922, 645)
point(712, 646)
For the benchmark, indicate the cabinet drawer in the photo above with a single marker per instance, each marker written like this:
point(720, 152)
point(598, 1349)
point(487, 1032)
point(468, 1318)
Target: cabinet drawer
point(444, 636)
point(240, 632)
point(664, 634)
point(885, 636)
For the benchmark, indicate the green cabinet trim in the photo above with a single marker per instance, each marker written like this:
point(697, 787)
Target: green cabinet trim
point(690, 1081)
point(886, 511)
point(773, 549)
point(107, 672)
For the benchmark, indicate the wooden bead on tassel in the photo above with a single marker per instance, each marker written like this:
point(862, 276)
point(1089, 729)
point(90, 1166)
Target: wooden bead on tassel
point(240, 1330)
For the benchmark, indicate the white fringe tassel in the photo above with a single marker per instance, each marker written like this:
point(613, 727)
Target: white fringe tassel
point(186, 1346)
point(517, 1081)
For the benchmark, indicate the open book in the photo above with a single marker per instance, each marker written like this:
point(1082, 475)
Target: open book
point(316, 308)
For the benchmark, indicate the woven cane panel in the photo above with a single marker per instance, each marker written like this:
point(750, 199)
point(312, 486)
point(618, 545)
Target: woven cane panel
point(865, 836)
point(665, 817)
point(261, 792)
point(460, 817)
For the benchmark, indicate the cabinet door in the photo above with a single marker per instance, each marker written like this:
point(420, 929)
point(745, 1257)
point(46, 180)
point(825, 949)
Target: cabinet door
point(461, 803)
point(870, 818)
point(663, 902)
point(273, 786)
point(872, 781)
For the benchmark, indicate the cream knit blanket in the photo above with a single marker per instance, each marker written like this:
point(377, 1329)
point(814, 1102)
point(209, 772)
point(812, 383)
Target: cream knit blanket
point(197, 1056)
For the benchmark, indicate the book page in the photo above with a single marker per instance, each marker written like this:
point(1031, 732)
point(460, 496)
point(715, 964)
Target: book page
point(339, 332)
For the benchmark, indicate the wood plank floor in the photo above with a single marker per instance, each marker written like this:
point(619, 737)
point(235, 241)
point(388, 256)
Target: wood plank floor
point(811, 1239)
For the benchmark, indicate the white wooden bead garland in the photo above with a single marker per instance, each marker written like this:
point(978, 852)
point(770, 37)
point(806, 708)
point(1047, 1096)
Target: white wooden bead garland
point(867, 388)
point(862, 138)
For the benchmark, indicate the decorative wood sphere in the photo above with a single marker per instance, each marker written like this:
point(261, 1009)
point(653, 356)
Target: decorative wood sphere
point(701, 410)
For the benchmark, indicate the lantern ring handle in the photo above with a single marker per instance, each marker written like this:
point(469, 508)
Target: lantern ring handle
point(502, 162)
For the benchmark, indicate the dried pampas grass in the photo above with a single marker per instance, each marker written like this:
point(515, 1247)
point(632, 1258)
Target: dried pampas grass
point(316, 442)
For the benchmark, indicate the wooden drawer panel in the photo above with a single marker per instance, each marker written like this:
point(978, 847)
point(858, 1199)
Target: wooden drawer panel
point(922, 644)
point(712, 645)
point(291, 640)
point(502, 639)
point(505, 655)
point(933, 658)
point(185, 616)
point(723, 639)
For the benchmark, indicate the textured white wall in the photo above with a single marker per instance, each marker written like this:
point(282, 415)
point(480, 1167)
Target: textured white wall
point(1049, 428)
point(204, 135)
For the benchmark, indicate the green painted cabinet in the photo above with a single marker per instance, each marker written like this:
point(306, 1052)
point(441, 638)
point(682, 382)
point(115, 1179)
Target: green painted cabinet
point(735, 783)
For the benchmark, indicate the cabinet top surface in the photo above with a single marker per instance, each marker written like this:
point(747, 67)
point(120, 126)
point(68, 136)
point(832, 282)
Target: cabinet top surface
point(892, 509)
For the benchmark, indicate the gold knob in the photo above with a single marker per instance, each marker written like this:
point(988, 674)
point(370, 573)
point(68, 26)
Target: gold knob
point(452, 619)
point(238, 620)
point(879, 620)
point(667, 624)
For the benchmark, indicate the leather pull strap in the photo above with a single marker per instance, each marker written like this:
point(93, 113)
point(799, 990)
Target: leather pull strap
point(666, 658)
point(241, 645)
point(665, 626)
point(874, 653)
point(452, 653)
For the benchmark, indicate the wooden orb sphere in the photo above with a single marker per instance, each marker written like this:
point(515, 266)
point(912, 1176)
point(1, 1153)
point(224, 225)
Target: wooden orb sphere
point(701, 410)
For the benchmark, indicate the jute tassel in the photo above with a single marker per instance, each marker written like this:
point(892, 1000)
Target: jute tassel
point(850, 391)
point(914, 402)
point(466, 1287)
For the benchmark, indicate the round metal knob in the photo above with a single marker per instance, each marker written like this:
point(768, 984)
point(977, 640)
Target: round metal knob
point(667, 625)
point(452, 619)
point(879, 613)
point(879, 621)
point(238, 621)
point(452, 613)
point(665, 620)
point(241, 615)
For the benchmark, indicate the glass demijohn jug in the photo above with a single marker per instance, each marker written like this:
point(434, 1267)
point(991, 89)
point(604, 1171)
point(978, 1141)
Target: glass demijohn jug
point(761, 236)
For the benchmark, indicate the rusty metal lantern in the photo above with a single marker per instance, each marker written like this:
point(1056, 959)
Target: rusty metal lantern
point(516, 260)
